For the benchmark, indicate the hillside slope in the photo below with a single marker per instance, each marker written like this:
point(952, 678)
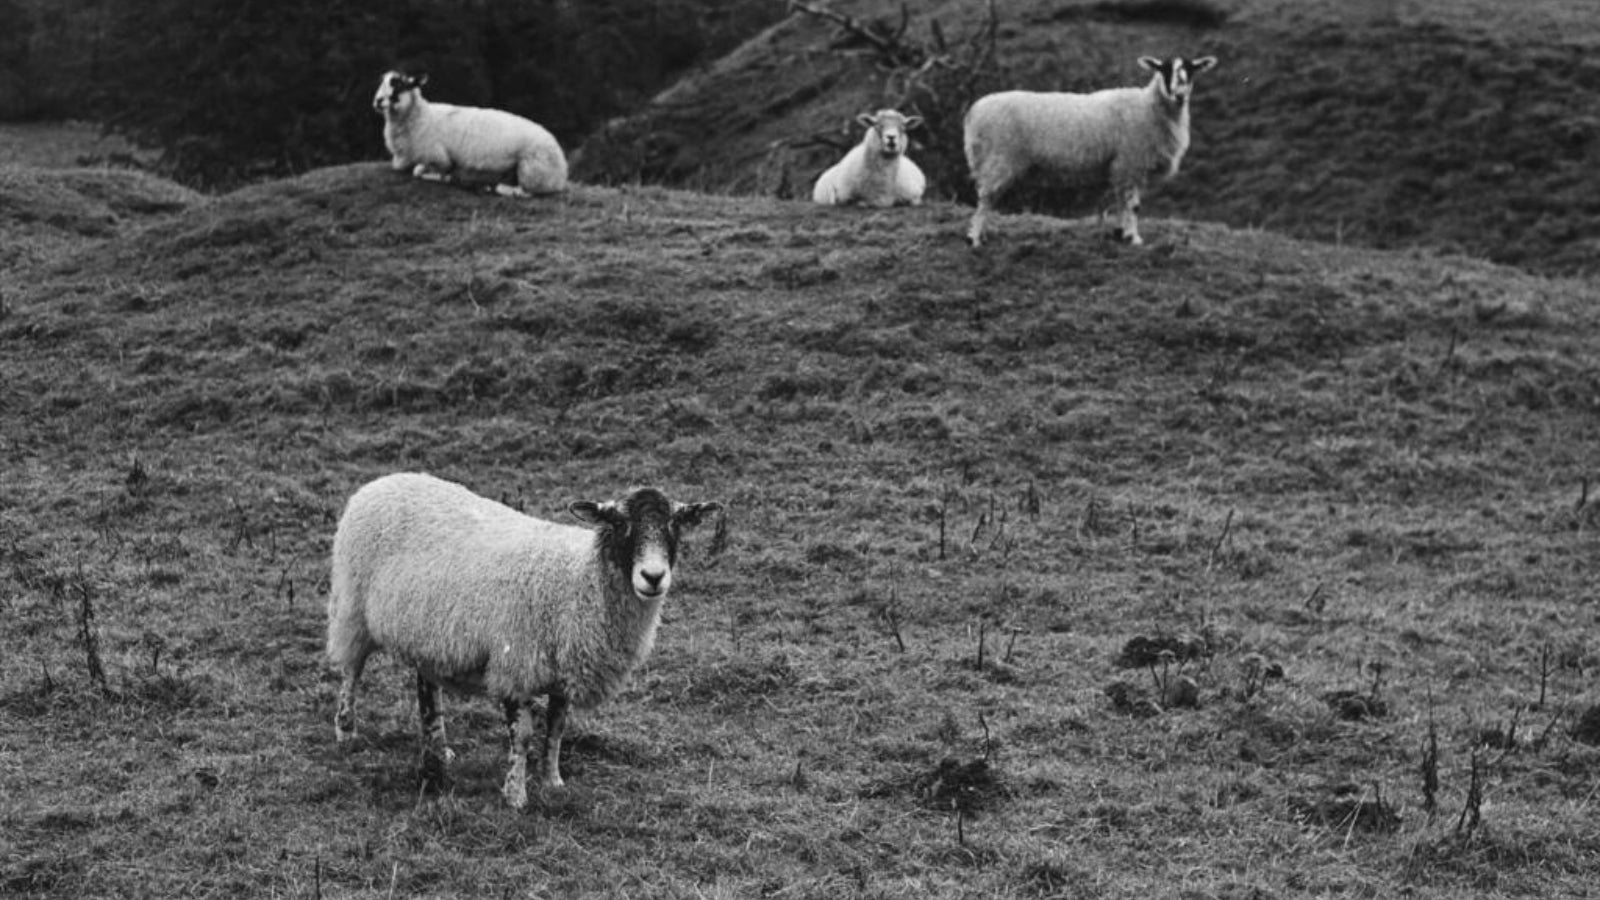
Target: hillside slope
point(1458, 126)
point(958, 484)
point(45, 212)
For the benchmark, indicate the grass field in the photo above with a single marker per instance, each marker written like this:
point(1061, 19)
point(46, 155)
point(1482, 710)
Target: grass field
point(958, 486)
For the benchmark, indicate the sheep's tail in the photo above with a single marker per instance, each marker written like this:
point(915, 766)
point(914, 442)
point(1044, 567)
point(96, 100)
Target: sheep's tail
point(348, 639)
point(970, 141)
point(542, 169)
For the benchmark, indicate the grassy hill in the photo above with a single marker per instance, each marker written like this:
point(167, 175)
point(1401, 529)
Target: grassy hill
point(1459, 126)
point(47, 212)
point(959, 484)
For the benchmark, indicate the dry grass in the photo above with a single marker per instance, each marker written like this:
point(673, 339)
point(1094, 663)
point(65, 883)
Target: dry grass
point(1365, 467)
point(52, 211)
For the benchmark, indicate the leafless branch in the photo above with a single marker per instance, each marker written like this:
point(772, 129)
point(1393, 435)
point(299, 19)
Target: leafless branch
point(892, 47)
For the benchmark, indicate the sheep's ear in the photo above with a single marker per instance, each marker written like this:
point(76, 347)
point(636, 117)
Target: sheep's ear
point(1196, 66)
point(913, 122)
point(602, 514)
point(867, 119)
point(1150, 62)
point(690, 515)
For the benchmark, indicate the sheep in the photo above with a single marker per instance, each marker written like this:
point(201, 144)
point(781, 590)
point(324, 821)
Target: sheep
point(876, 172)
point(441, 142)
point(481, 598)
point(1119, 136)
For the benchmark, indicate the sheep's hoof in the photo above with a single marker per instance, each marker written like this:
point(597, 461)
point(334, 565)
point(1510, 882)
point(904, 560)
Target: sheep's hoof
point(434, 776)
point(516, 796)
point(515, 788)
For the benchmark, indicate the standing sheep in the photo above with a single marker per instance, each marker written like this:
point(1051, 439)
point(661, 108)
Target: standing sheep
point(483, 599)
point(441, 142)
point(1118, 137)
point(876, 172)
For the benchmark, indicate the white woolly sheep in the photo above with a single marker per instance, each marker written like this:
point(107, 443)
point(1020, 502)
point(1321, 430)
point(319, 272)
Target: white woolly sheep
point(876, 172)
point(467, 144)
point(481, 598)
point(1119, 137)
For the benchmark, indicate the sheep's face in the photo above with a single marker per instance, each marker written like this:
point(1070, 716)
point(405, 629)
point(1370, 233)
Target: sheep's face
point(1175, 77)
point(639, 534)
point(397, 92)
point(886, 130)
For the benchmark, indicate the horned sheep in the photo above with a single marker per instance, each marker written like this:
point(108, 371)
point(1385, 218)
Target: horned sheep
point(481, 598)
point(1121, 136)
point(876, 171)
point(466, 144)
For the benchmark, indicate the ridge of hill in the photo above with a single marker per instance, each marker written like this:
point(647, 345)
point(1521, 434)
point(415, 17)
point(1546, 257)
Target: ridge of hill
point(46, 212)
point(959, 486)
point(1457, 126)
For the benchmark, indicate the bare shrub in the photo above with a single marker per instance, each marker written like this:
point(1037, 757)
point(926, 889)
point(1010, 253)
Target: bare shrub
point(935, 77)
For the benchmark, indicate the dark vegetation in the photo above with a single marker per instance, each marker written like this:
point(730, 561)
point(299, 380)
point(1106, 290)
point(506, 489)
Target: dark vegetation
point(238, 91)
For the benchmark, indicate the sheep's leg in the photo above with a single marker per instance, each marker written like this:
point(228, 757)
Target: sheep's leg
point(1106, 203)
point(555, 722)
point(435, 753)
point(508, 183)
point(428, 172)
point(992, 181)
point(344, 717)
point(1127, 221)
point(979, 218)
point(519, 734)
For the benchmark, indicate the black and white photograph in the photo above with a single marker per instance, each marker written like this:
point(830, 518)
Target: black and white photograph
point(800, 449)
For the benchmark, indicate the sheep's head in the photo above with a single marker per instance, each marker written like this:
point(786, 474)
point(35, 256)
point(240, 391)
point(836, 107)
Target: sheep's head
point(886, 130)
point(639, 535)
point(397, 91)
point(1175, 77)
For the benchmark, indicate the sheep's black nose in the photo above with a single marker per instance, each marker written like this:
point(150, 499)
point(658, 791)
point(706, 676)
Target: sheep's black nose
point(652, 578)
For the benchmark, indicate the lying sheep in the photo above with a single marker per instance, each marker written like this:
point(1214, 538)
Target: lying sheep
point(876, 172)
point(441, 142)
point(483, 599)
point(1119, 136)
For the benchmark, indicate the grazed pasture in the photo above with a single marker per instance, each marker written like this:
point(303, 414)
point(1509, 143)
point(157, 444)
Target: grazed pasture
point(958, 485)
